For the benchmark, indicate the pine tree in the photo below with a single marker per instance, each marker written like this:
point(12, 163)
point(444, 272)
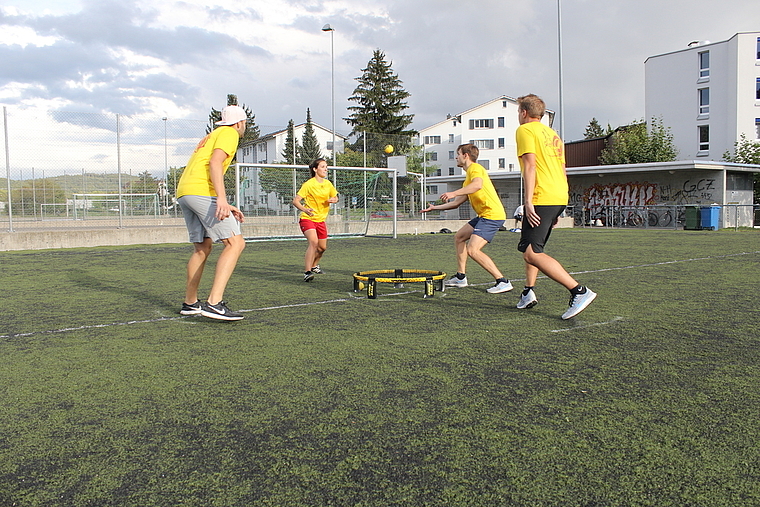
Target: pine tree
point(309, 144)
point(381, 102)
point(593, 130)
point(291, 145)
point(251, 129)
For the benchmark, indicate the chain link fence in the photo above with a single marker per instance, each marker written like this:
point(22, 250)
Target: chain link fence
point(65, 169)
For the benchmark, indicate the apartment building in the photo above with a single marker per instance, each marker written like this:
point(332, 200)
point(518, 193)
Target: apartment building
point(707, 93)
point(490, 126)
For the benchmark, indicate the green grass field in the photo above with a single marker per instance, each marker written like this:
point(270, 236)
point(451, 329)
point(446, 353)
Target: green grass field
point(321, 397)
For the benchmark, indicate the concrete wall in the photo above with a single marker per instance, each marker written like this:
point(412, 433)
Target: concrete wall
point(87, 235)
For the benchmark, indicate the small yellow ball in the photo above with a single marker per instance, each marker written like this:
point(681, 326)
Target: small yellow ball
point(389, 148)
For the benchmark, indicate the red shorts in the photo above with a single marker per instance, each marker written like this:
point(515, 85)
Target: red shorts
point(320, 227)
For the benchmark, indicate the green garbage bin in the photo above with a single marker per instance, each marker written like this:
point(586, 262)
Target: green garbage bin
point(709, 217)
point(691, 218)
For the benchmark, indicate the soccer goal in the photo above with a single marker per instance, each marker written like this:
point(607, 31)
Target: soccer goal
point(85, 206)
point(367, 195)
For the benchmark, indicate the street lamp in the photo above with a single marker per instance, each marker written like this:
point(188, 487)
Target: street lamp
point(328, 28)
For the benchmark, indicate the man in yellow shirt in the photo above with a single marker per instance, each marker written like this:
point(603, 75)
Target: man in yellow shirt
point(209, 217)
point(542, 159)
point(478, 232)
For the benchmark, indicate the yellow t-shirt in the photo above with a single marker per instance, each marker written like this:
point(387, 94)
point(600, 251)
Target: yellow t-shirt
point(196, 179)
point(551, 181)
point(315, 195)
point(485, 201)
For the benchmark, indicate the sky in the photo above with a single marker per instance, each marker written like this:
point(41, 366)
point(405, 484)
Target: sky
point(178, 59)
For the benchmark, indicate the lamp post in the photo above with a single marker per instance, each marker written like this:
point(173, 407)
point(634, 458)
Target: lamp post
point(328, 28)
point(559, 53)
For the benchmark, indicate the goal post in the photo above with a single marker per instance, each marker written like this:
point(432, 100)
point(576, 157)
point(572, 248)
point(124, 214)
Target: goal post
point(265, 192)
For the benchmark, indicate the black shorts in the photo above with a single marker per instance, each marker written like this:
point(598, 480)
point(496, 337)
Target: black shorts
point(538, 236)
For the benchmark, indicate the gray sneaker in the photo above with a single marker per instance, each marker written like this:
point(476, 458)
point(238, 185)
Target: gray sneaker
point(578, 303)
point(499, 287)
point(528, 300)
point(456, 282)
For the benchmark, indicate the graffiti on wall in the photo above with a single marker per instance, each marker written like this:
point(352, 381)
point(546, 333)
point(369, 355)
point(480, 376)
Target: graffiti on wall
point(621, 194)
point(642, 194)
point(691, 191)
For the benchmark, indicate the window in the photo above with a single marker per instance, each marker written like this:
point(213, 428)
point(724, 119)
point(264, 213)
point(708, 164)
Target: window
point(757, 88)
point(758, 48)
point(481, 124)
point(757, 128)
point(432, 139)
point(502, 163)
point(438, 172)
point(704, 100)
point(511, 167)
point(501, 142)
point(501, 121)
point(329, 145)
point(452, 156)
point(704, 137)
point(504, 102)
point(451, 171)
point(432, 190)
point(483, 144)
point(485, 163)
point(451, 138)
point(704, 64)
point(432, 156)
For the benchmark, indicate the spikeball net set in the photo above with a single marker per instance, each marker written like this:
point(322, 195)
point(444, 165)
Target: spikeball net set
point(433, 280)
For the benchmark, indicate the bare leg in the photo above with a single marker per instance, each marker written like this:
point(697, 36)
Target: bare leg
point(474, 250)
point(314, 250)
point(460, 243)
point(321, 247)
point(225, 265)
point(548, 266)
point(195, 267)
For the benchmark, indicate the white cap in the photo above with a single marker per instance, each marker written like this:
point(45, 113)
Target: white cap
point(231, 115)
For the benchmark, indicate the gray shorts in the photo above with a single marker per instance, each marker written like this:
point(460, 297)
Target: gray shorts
point(201, 223)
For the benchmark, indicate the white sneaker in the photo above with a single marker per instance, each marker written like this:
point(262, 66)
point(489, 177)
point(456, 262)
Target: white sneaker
point(456, 282)
point(578, 303)
point(499, 287)
point(528, 300)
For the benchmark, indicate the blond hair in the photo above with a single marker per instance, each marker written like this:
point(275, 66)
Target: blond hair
point(532, 104)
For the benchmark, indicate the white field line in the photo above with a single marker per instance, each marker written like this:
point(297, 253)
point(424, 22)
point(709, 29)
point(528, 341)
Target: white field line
point(344, 300)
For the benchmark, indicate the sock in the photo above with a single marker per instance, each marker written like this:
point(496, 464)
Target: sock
point(527, 289)
point(580, 289)
point(502, 279)
point(306, 272)
point(461, 276)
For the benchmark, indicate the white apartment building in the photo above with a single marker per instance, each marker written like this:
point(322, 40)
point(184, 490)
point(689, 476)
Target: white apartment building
point(490, 126)
point(708, 94)
point(268, 148)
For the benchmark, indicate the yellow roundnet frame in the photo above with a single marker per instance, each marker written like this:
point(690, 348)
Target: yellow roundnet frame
point(368, 279)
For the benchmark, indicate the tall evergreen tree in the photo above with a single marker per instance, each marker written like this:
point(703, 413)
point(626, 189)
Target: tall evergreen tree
point(380, 104)
point(593, 130)
point(291, 145)
point(309, 143)
point(251, 129)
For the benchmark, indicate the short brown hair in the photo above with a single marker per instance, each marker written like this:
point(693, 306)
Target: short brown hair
point(533, 105)
point(470, 150)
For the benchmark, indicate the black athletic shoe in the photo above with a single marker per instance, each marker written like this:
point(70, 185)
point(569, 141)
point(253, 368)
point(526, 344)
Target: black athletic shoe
point(193, 309)
point(219, 311)
point(308, 276)
point(317, 270)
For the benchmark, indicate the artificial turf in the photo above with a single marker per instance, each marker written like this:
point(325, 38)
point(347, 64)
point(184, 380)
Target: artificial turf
point(324, 397)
